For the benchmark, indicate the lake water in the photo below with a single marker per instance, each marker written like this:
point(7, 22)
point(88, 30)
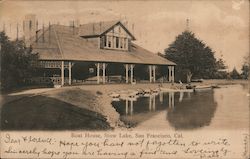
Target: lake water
point(222, 108)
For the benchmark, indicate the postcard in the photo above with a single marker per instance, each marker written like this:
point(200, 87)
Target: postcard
point(124, 79)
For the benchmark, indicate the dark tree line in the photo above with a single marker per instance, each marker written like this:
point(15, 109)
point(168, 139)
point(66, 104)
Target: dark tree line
point(245, 68)
point(194, 58)
point(16, 62)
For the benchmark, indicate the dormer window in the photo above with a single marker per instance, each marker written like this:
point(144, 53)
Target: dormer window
point(114, 42)
point(113, 36)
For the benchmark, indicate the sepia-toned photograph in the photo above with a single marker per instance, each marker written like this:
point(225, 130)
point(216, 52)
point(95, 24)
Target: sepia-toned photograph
point(127, 66)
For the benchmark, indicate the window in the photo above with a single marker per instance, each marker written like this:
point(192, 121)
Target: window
point(121, 43)
point(117, 42)
point(109, 41)
point(105, 41)
point(91, 70)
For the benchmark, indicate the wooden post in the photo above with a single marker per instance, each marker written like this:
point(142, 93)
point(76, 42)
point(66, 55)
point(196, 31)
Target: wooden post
point(172, 73)
point(126, 73)
point(103, 73)
point(62, 73)
point(150, 73)
point(132, 73)
point(69, 73)
point(98, 73)
point(154, 73)
point(169, 73)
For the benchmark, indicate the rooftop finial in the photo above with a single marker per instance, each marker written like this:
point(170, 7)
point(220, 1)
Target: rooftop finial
point(17, 31)
point(100, 26)
point(133, 27)
point(3, 27)
point(187, 24)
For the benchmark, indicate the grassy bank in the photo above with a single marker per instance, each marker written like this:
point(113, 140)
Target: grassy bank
point(57, 109)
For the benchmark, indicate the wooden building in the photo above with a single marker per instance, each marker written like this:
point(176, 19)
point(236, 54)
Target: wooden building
point(99, 44)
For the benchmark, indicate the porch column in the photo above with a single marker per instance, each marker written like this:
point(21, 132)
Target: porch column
point(126, 73)
point(103, 72)
point(98, 73)
point(172, 73)
point(62, 73)
point(132, 73)
point(154, 73)
point(69, 73)
point(169, 73)
point(150, 73)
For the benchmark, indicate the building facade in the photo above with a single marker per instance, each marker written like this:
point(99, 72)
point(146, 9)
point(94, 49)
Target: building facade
point(96, 52)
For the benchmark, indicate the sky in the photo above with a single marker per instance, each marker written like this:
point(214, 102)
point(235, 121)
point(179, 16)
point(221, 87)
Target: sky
point(222, 24)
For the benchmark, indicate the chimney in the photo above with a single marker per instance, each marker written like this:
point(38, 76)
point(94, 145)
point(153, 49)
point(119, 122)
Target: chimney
point(29, 28)
point(43, 33)
point(73, 27)
point(37, 31)
point(49, 31)
point(93, 28)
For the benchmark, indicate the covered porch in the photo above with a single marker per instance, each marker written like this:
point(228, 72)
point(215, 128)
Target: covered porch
point(99, 72)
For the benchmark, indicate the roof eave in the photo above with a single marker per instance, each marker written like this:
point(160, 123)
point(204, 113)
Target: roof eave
point(104, 32)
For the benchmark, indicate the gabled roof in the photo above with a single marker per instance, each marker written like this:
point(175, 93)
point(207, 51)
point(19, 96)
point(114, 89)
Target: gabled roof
point(63, 43)
point(98, 29)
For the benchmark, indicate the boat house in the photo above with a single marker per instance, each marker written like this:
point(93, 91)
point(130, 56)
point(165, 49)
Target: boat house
point(97, 53)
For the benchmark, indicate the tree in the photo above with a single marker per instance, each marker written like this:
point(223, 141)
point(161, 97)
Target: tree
point(234, 74)
point(16, 62)
point(221, 72)
point(192, 56)
point(245, 68)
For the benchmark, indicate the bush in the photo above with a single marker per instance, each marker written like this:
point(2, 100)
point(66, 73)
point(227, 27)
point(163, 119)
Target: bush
point(16, 62)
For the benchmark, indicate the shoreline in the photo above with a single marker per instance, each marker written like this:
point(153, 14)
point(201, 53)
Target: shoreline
point(96, 99)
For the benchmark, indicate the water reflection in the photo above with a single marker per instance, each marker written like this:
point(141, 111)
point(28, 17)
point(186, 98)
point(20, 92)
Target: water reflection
point(183, 110)
point(193, 112)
